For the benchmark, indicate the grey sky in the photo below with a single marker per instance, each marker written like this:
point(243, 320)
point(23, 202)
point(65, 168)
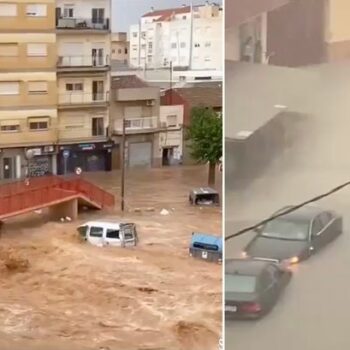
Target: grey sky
point(126, 12)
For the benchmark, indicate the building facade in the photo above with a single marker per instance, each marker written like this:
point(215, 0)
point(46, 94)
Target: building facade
point(83, 85)
point(120, 48)
point(185, 37)
point(28, 89)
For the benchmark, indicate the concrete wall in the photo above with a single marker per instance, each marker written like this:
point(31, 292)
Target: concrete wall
point(82, 8)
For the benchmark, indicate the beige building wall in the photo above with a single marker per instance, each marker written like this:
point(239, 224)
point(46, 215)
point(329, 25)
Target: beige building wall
point(21, 20)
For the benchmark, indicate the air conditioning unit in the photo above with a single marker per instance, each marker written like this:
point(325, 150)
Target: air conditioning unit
point(150, 103)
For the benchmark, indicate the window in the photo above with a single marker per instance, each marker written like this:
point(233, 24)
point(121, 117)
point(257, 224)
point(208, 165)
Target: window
point(36, 10)
point(9, 50)
point(173, 45)
point(112, 234)
point(37, 50)
point(119, 51)
point(37, 87)
point(68, 12)
point(98, 126)
point(286, 229)
point(207, 59)
point(171, 120)
point(207, 44)
point(183, 45)
point(113, 51)
point(9, 87)
point(9, 126)
point(8, 10)
point(96, 231)
point(184, 17)
point(74, 87)
point(325, 218)
point(98, 15)
point(38, 123)
point(134, 34)
point(240, 283)
point(126, 51)
point(317, 226)
point(196, 45)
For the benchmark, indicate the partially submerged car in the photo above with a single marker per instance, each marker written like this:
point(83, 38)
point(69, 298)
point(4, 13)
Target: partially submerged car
point(101, 233)
point(204, 196)
point(206, 247)
point(295, 236)
point(253, 287)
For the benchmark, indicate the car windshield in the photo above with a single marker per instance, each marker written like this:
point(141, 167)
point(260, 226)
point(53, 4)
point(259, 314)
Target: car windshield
point(286, 229)
point(240, 283)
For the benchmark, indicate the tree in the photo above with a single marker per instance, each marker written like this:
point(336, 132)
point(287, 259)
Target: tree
point(205, 135)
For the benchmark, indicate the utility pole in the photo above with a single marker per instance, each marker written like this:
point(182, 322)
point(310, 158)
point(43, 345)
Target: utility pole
point(171, 82)
point(123, 168)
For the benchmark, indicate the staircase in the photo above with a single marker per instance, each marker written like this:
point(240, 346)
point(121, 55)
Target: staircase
point(43, 192)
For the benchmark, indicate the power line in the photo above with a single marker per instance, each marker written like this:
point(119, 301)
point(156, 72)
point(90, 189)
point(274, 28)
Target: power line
point(287, 211)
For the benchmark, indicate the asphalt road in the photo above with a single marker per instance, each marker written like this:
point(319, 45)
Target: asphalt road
point(313, 313)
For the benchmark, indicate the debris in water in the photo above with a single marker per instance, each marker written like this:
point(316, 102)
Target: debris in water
point(164, 212)
point(68, 218)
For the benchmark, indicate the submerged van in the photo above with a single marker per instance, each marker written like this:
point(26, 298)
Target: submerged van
point(102, 233)
point(206, 247)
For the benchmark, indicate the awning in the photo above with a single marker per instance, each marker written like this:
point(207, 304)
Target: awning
point(239, 11)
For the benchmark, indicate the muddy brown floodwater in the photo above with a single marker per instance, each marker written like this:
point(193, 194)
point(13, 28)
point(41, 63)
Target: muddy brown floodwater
point(58, 292)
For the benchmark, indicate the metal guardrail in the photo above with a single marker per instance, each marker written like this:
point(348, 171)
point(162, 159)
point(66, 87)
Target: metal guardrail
point(83, 23)
point(141, 123)
point(83, 61)
point(82, 98)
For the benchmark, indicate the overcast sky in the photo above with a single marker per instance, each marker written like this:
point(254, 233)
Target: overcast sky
point(126, 12)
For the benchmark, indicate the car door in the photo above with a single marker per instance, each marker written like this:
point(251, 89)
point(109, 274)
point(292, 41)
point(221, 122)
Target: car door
point(113, 236)
point(318, 233)
point(95, 235)
point(329, 226)
point(269, 288)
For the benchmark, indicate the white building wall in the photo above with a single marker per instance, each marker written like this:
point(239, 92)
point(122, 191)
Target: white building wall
point(83, 8)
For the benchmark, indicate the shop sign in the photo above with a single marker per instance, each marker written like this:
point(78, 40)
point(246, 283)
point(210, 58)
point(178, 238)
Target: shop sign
point(87, 147)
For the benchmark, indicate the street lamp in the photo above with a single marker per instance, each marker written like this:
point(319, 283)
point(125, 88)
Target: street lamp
point(122, 204)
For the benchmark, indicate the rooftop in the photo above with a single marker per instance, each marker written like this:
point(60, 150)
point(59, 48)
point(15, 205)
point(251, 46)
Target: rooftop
point(168, 12)
point(128, 82)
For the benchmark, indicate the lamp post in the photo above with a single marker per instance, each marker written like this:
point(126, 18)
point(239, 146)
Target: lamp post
point(122, 204)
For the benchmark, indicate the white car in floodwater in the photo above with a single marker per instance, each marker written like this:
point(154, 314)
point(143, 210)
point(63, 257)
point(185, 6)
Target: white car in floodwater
point(102, 233)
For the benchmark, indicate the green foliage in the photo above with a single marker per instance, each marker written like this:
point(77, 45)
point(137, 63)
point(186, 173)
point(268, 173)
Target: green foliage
point(205, 134)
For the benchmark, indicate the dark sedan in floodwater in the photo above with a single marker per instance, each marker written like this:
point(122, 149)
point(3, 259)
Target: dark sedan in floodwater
point(295, 236)
point(252, 287)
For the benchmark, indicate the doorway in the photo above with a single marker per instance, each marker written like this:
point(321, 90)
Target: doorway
point(97, 90)
point(167, 156)
point(8, 168)
point(97, 57)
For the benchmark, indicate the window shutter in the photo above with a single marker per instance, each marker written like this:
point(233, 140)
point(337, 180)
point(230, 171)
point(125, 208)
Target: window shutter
point(37, 50)
point(8, 10)
point(37, 10)
point(37, 86)
point(9, 88)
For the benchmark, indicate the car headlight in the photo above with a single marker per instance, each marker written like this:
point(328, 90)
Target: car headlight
point(292, 261)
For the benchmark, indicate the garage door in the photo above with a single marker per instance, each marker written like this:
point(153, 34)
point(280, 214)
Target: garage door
point(140, 154)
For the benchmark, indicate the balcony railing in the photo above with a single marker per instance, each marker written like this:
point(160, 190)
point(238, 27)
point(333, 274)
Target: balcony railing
point(83, 23)
point(137, 124)
point(83, 61)
point(79, 98)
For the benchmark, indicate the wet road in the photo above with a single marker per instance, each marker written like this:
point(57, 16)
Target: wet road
point(313, 313)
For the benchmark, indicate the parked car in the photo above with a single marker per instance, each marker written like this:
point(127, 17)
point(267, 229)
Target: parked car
point(204, 196)
point(252, 287)
point(206, 247)
point(101, 233)
point(295, 236)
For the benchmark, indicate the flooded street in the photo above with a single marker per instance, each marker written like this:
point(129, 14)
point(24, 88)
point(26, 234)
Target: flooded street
point(313, 311)
point(153, 296)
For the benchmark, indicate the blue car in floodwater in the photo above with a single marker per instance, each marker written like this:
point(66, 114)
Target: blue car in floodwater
point(206, 247)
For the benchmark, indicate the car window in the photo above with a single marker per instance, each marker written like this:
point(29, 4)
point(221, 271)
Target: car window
point(325, 218)
point(240, 283)
point(286, 229)
point(96, 231)
point(317, 225)
point(112, 233)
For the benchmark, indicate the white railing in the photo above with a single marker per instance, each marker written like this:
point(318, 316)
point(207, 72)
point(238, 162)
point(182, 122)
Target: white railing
point(82, 61)
point(135, 124)
point(82, 98)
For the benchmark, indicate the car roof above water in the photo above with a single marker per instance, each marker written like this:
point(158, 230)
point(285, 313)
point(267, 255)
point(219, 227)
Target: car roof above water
point(246, 266)
point(303, 214)
point(104, 224)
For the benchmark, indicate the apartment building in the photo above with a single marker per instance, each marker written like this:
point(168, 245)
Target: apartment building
point(28, 88)
point(120, 48)
point(83, 83)
point(189, 37)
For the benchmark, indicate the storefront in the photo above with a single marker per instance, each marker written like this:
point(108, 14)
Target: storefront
point(87, 156)
point(14, 163)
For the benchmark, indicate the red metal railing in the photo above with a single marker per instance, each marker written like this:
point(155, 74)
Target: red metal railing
point(18, 196)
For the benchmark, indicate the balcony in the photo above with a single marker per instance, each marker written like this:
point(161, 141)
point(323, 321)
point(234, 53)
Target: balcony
point(138, 125)
point(82, 99)
point(83, 24)
point(82, 63)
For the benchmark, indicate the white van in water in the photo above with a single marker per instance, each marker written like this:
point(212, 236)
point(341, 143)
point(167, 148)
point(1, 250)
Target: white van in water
point(101, 233)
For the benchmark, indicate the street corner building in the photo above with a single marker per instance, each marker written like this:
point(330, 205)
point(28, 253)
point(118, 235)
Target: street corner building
point(54, 87)
point(153, 133)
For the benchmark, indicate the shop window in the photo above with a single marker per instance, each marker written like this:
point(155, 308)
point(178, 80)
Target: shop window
point(98, 126)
